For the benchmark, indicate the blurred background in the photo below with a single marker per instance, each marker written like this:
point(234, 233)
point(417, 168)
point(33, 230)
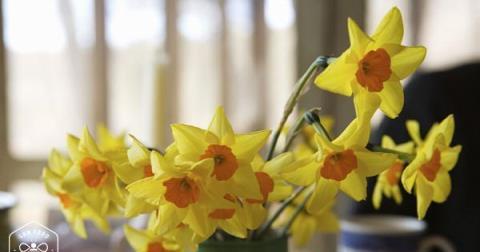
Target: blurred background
point(138, 65)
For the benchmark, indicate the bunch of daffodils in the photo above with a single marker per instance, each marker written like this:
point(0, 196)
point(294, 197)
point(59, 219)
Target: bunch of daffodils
point(213, 183)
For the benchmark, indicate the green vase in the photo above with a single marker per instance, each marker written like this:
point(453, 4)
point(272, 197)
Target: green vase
point(278, 244)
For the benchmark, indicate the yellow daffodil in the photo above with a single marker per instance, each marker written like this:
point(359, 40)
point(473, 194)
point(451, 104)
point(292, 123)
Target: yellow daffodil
point(307, 224)
point(232, 153)
point(428, 172)
point(308, 146)
point(374, 64)
point(93, 175)
point(147, 241)
point(74, 208)
point(341, 164)
point(388, 181)
point(186, 193)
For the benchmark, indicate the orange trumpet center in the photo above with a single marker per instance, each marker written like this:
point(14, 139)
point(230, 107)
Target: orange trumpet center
point(156, 247)
point(94, 172)
point(374, 69)
point(394, 172)
point(225, 161)
point(431, 168)
point(338, 165)
point(147, 171)
point(266, 187)
point(181, 191)
point(65, 200)
point(222, 214)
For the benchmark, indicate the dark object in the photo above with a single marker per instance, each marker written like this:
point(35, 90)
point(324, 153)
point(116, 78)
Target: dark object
point(429, 98)
point(277, 244)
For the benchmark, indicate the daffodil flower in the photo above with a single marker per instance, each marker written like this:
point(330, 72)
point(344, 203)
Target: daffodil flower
point(428, 172)
point(375, 64)
point(341, 164)
point(307, 224)
point(232, 153)
point(147, 241)
point(74, 208)
point(388, 181)
point(185, 193)
point(93, 175)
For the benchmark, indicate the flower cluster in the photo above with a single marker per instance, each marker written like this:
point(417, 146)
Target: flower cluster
point(213, 183)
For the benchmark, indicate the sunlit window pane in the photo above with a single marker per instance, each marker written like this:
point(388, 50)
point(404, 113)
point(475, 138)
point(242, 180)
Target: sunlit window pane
point(48, 50)
point(199, 25)
point(135, 37)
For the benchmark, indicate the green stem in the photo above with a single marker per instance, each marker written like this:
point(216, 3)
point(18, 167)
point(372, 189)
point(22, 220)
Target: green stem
point(311, 117)
point(321, 61)
point(279, 211)
point(293, 133)
point(407, 157)
point(300, 208)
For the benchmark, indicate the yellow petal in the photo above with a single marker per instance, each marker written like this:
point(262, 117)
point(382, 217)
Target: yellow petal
point(220, 126)
point(377, 194)
point(358, 39)
point(397, 194)
point(138, 153)
point(424, 193)
point(244, 175)
point(160, 164)
point(87, 144)
point(51, 181)
point(189, 140)
point(137, 239)
point(135, 206)
point(73, 180)
point(409, 175)
point(357, 132)
point(407, 147)
point(150, 189)
point(58, 163)
point(248, 145)
point(78, 226)
point(449, 157)
point(123, 169)
point(392, 98)
point(407, 61)
point(325, 191)
point(337, 77)
point(107, 141)
point(302, 172)
point(303, 229)
point(234, 227)
point(73, 151)
point(387, 142)
point(277, 164)
point(442, 186)
point(373, 163)
point(199, 222)
point(390, 29)
point(169, 217)
point(327, 222)
point(254, 215)
point(413, 128)
point(355, 186)
point(281, 190)
point(447, 128)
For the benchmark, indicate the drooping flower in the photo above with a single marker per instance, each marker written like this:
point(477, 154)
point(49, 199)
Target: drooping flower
point(73, 207)
point(232, 153)
point(342, 164)
point(307, 224)
point(375, 64)
point(428, 172)
point(388, 182)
